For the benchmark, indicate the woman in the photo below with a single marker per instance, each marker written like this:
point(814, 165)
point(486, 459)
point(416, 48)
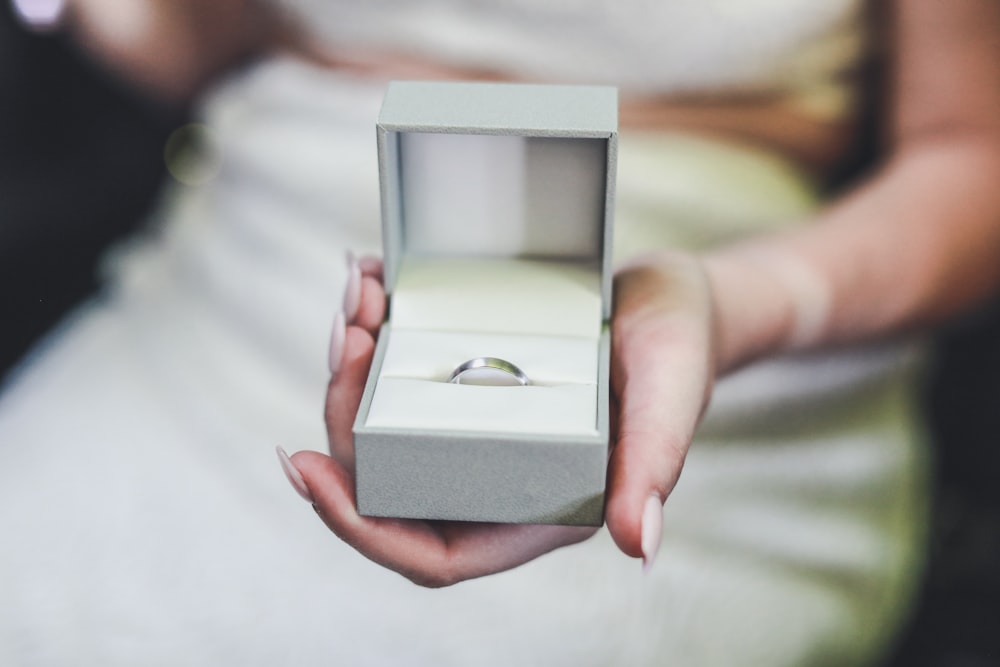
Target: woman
point(794, 536)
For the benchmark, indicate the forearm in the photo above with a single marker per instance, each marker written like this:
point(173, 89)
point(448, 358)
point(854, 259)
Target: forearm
point(918, 242)
point(171, 49)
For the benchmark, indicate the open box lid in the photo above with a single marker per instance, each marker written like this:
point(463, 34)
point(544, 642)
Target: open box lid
point(496, 171)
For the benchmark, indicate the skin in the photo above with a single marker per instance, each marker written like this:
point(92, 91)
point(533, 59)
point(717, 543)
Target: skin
point(916, 242)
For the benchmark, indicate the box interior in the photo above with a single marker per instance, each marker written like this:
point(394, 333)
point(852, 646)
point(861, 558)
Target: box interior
point(468, 195)
point(500, 254)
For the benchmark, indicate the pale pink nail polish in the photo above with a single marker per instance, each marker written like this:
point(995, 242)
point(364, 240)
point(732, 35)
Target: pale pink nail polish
point(352, 291)
point(293, 475)
point(337, 339)
point(652, 530)
point(370, 265)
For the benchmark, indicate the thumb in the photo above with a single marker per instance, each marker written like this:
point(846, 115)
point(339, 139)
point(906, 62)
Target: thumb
point(662, 369)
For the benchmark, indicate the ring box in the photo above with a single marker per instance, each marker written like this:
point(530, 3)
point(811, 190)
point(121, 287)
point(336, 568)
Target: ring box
point(497, 216)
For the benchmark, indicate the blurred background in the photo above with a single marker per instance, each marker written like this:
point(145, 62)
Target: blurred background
point(81, 165)
point(81, 162)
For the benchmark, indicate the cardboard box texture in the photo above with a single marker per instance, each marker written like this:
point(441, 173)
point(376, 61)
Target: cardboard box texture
point(497, 207)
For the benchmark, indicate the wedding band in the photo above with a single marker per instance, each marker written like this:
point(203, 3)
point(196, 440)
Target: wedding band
point(492, 363)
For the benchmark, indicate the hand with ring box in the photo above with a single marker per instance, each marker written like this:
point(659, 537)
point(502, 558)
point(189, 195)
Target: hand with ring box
point(488, 395)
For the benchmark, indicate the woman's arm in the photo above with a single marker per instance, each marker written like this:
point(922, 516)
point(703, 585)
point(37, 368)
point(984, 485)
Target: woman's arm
point(172, 49)
point(920, 240)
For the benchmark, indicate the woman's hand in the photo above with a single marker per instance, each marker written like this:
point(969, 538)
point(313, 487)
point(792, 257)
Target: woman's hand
point(663, 363)
point(172, 50)
point(429, 553)
point(662, 371)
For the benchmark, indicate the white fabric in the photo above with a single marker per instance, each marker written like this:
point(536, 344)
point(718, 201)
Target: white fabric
point(145, 519)
point(801, 47)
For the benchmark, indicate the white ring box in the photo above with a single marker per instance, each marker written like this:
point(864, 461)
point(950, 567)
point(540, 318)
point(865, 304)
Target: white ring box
point(497, 209)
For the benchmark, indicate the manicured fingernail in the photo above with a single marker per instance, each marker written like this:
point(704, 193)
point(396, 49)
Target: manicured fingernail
point(337, 338)
point(371, 266)
point(652, 529)
point(352, 292)
point(294, 476)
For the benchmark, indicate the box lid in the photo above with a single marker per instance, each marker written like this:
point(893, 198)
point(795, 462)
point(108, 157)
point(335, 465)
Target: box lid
point(498, 170)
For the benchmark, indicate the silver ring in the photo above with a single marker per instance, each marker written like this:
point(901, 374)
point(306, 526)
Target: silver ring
point(489, 363)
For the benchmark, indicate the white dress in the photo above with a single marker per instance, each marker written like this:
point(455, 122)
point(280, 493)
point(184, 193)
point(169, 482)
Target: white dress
point(143, 516)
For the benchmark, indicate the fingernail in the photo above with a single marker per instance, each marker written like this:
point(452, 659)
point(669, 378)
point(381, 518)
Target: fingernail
point(337, 338)
point(651, 531)
point(370, 265)
point(352, 292)
point(294, 476)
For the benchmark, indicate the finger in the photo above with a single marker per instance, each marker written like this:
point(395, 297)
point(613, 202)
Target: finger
point(661, 375)
point(382, 540)
point(370, 312)
point(431, 554)
point(373, 267)
point(479, 549)
point(344, 393)
point(352, 288)
point(364, 297)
